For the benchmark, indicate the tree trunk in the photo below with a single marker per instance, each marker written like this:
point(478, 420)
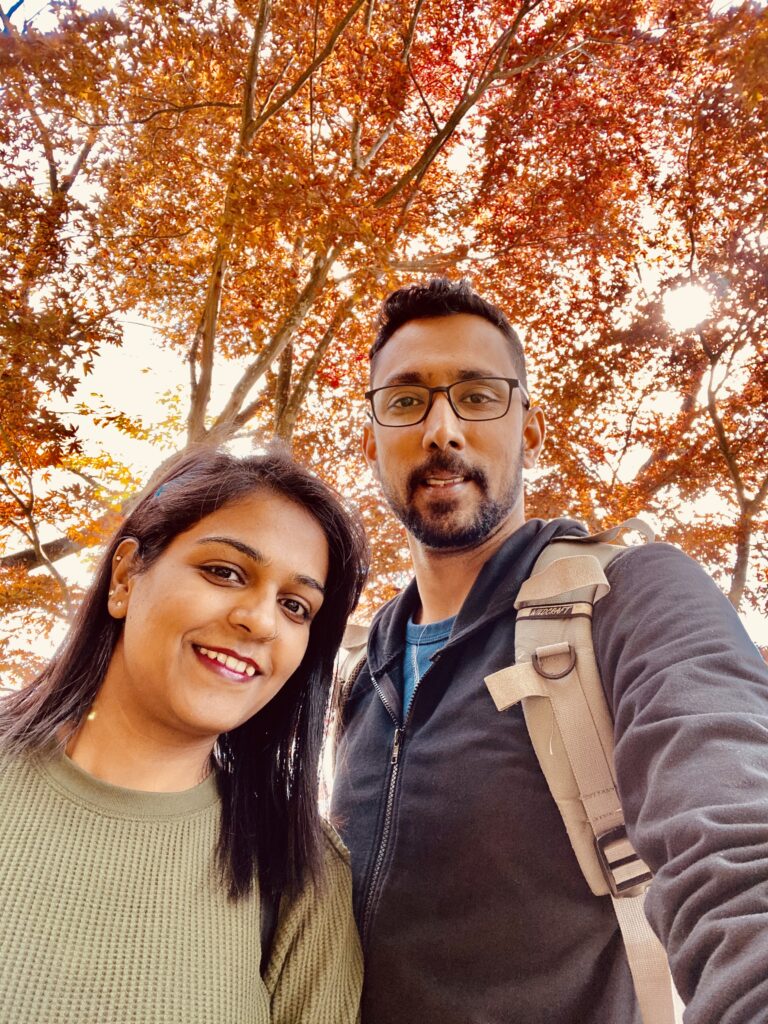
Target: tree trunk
point(741, 565)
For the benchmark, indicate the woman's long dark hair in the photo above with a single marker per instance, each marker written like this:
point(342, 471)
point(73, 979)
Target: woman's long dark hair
point(267, 768)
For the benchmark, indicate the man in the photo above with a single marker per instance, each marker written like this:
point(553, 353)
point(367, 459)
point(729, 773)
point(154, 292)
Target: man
point(469, 899)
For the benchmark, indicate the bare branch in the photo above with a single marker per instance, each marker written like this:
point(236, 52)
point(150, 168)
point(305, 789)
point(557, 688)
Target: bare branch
point(14, 7)
point(424, 99)
point(82, 156)
point(317, 278)
point(45, 139)
point(28, 558)
point(354, 145)
point(376, 147)
point(169, 108)
point(283, 385)
point(723, 444)
point(252, 74)
point(369, 15)
point(301, 81)
point(203, 346)
point(411, 33)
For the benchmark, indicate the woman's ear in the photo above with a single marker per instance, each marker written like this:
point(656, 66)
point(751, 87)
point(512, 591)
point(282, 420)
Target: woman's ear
point(123, 570)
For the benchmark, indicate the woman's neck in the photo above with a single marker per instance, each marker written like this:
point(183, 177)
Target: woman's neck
point(107, 746)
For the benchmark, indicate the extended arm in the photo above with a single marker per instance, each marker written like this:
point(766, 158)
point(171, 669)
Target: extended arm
point(690, 697)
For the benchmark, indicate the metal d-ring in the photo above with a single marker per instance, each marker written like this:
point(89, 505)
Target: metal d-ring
point(536, 660)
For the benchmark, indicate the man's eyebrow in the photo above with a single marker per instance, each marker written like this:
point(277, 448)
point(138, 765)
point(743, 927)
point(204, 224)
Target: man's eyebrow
point(415, 377)
point(261, 559)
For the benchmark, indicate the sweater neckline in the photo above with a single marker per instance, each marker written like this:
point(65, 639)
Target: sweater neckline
point(83, 788)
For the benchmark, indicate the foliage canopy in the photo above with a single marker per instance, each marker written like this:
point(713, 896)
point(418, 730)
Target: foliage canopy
point(252, 178)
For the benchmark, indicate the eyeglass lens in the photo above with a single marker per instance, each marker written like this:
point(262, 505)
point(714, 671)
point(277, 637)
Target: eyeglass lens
point(484, 398)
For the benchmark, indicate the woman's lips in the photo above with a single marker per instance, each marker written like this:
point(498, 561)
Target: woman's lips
point(226, 662)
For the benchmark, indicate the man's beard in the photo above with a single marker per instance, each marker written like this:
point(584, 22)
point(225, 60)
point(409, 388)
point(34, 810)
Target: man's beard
point(434, 528)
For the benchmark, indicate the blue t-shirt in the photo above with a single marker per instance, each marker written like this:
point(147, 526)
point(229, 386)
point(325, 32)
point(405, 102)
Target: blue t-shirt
point(421, 642)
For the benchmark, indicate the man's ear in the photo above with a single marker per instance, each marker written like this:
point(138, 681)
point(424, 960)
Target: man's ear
point(534, 432)
point(124, 564)
point(369, 449)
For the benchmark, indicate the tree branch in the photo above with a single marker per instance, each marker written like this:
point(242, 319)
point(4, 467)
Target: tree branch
point(82, 156)
point(299, 393)
point(29, 558)
point(229, 416)
point(289, 93)
point(722, 442)
point(252, 74)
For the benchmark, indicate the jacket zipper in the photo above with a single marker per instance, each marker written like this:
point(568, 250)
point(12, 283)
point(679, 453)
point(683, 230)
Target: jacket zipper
point(369, 901)
point(394, 766)
point(393, 771)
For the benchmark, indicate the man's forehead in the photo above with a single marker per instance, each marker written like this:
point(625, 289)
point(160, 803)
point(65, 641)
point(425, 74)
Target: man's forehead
point(455, 347)
point(424, 374)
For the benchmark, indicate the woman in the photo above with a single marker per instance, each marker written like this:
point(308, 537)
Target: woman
point(161, 772)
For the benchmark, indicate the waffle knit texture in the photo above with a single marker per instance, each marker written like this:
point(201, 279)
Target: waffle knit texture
point(111, 913)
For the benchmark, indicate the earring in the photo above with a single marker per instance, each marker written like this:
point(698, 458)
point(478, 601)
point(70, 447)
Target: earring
point(118, 558)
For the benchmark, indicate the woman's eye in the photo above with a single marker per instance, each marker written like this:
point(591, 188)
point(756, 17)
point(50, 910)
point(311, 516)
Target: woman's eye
point(297, 609)
point(225, 573)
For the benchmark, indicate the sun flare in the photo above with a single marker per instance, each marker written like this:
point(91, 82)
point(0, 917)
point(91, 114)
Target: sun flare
point(686, 307)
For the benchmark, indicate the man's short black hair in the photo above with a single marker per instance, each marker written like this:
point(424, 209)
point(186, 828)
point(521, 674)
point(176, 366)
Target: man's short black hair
point(442, 297)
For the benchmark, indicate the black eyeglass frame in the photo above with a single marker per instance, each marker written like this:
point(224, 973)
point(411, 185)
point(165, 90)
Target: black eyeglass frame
point(446, 390)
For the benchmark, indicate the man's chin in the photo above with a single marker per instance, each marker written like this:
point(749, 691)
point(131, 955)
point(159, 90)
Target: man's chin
point(446, 531)
point(445, 523)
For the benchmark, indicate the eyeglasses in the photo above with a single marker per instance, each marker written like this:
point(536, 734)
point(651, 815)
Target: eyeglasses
point(480, 398)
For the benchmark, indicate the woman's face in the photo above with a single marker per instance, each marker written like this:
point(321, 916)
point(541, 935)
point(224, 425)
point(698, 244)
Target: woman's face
point(219, 622)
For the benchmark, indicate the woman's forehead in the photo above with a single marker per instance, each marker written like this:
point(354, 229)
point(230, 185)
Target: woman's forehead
point(275, 529)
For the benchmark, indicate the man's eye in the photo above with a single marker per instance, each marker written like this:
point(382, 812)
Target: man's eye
point(297, 609)
point(404, 401)
point(479, 397)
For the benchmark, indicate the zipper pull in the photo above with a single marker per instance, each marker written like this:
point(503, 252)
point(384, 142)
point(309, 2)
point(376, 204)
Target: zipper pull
point(396, 745)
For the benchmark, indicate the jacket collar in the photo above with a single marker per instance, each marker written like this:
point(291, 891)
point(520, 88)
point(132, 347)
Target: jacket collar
point(493, 593)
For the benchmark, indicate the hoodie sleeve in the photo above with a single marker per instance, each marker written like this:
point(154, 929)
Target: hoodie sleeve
point(689, 693)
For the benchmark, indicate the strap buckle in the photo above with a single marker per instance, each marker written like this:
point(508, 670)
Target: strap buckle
point(553, 651)
point(624, 871)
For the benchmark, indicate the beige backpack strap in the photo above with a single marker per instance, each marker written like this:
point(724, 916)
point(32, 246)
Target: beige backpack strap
point(354, 646)
point(555, 675)
point(350, 659)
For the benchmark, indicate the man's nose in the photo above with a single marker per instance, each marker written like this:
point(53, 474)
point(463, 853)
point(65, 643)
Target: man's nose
point(256, 615)
point(442, 427)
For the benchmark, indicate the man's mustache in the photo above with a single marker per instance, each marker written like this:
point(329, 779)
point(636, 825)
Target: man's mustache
point(442, 462)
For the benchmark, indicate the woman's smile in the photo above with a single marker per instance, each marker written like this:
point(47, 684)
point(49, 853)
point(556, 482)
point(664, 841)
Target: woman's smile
point(227, 663)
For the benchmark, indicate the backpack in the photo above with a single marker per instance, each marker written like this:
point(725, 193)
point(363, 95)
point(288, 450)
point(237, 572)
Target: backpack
point(556, 678)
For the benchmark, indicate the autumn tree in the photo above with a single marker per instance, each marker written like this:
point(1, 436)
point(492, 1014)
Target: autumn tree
point(670, 191)
point(253, 177)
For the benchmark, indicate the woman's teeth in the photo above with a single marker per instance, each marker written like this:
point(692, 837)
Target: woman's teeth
point(226, 659)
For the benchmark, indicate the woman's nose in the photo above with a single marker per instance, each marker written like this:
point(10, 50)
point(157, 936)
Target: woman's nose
point(257, 617)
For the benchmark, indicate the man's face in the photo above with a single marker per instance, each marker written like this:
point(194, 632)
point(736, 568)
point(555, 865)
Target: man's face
point(452, 483)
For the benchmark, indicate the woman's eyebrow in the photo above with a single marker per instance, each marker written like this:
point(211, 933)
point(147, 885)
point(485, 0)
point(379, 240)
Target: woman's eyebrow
point(261, 559)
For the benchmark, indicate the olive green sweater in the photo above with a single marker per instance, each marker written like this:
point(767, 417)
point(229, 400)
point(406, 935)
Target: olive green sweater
point(110, 913)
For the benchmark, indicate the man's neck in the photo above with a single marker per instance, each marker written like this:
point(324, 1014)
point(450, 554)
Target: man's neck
point(445, 577)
